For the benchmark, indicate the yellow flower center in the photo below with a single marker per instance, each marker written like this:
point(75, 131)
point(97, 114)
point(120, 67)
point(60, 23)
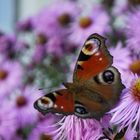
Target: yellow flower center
point(45, 137)
point(85, 22)
point(135, 67)
point(64, 19)
point(136, 90)
point(3, 74)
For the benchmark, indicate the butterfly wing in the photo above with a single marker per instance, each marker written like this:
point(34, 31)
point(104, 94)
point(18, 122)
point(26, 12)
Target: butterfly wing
point(96, 85)
point(60, 101)
point(99, 83)
point(93, 59)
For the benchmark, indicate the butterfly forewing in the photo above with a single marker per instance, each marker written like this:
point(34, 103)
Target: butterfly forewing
point(93, 58)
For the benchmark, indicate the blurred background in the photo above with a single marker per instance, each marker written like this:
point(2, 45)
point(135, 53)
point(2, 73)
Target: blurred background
point(39, 45)
point(13, 10)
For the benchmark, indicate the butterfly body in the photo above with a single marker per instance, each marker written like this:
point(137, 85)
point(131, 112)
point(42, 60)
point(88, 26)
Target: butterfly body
point(96, 85)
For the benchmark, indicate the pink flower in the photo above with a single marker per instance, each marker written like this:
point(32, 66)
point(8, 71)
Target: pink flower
point(10, 77)
point(55, 19)
point(127, 113)
point(8, 123)
point(43, 128)
point(95, 22)
point(22, 102)
point(73, 128)
point(133, 31)
point(121, 59)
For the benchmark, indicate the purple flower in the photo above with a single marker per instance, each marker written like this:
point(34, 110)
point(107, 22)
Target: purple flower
point(127, 113)
point(6, 44)
point(120, 7)
point(43, 128)
point(133, 31)
point(73, 128)
point(121, 59)
point(54, 47)
point(10, 46)
point(39, 53)
point(130, 134)
point(10, 77)
point(25, 25)
point(97, 21)
point(55, 19)
point(8, 123)
point(22, 102)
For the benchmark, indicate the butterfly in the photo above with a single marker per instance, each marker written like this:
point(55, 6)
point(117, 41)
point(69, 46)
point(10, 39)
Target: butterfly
point(96, 85)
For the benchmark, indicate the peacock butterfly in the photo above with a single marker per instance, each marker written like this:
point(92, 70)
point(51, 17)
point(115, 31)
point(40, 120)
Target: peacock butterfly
point(96, 84)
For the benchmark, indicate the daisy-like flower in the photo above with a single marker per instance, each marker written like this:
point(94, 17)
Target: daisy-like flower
point(8, 123)
point(127, 114)
point(73, 128)
point(135, 66)
point(95, 22)
point(55, 19)
point(43, 129)
point(133, 31)
point(10, 77)
point(122, 62)
point(22, 102)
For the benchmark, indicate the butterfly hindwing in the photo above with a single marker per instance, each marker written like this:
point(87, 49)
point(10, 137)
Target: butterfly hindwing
point(94, 58)
point(100, 93)
point(60, 101)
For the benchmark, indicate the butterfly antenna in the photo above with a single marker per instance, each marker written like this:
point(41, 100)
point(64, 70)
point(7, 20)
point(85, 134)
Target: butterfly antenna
point(44, 88)
point(65, 84)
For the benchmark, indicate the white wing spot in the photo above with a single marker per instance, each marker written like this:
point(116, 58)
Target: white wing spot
point(55, 106)
point(97, 53)
point(100, 59)
point(62, 107)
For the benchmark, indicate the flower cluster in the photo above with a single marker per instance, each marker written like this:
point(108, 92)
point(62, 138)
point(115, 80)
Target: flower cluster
point(45, 58)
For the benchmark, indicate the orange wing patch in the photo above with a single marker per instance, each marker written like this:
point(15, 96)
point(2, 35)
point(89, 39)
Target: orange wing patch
point(57, 101)
point(96, 64)
point(65, 101)
point(93, 59)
